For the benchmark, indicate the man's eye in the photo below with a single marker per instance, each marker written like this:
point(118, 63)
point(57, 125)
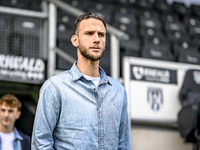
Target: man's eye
point(89, 33)
point(100, 34)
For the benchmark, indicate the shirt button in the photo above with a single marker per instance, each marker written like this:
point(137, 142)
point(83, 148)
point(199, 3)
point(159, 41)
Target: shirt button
point(94, 88)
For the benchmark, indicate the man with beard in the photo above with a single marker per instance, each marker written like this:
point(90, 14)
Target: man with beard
point(82, 108)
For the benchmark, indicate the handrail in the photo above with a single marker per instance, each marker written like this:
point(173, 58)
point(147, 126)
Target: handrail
point(24, 12)
point(64, 55)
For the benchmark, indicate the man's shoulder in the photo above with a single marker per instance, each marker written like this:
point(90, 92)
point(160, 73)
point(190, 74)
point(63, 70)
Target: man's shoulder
point(26, 142)
point(24, 135)
point(115, 82)
point(65, 75)
point(61, 75)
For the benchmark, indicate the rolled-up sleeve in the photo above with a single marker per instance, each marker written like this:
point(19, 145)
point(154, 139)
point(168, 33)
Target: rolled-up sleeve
point(47, 115)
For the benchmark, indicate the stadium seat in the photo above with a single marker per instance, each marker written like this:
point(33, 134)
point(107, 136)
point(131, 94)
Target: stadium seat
point(179, 46)
point(157, 48)
point(126, 23)
point(143, 4)
point(174, 36)
point(131, 47)
point(169, 17)
point(174, 26)
point(195, 10)
point(189, 56)
point(194, 31)
point(191, 21)
point(35, 5)
point(162, 6)
point(189, 115)
point(180, 9)
point(148, 14)
point(104, 9)
point(82, 5)
point(65, 18)
point(146, 32)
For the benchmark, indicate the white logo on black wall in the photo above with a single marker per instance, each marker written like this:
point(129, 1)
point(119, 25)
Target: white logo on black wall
point(155, 98)
point(151, 74)
point(196, 75)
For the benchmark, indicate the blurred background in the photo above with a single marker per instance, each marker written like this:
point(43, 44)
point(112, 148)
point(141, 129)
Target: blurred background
point(153, 49)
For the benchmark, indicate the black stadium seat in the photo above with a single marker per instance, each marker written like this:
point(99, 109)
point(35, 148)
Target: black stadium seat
point(143, 4)
point(180, 8)
point(126, 23)
point(162, 6)
point(190, 89)
point(174, 35)
point(157, 48)
point(189, 56)
point(195, 10)
point(178, 46)
point(104, 9)
point(189, 115)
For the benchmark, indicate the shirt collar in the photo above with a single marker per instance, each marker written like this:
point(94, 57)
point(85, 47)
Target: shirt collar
point(76, 74)
point(17, 135)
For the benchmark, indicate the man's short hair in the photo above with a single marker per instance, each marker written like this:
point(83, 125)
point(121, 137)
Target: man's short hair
point(86, 16)
point(11, 101)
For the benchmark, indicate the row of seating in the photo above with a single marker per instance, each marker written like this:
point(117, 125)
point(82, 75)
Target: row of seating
point(156, 30)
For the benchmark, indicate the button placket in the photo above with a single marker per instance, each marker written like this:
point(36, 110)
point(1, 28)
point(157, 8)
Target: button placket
point(100, 121)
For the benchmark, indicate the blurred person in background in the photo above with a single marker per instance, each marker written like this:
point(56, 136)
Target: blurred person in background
point(82, 108)
point(10, 137)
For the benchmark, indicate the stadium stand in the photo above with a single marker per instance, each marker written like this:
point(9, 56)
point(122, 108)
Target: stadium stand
point(156, 29)
point(173, 24)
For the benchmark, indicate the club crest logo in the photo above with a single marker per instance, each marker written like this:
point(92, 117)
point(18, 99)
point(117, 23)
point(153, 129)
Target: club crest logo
point(138, 72)
point(196, 76)
point(155, 98)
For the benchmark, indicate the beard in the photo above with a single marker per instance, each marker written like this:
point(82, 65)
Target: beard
point(85, 52)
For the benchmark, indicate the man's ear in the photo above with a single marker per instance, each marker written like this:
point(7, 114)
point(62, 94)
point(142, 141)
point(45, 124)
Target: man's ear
point(74, 40)
point(18, 114)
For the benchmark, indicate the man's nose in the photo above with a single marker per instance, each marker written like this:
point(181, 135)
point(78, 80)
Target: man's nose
point(96, 38)
point(6, 113)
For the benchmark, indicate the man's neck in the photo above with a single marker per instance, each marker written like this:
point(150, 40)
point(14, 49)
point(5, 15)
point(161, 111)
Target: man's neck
point(6, 129)
point(90, 68)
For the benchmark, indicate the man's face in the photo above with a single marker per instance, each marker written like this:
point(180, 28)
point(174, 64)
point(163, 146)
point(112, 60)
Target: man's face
point(91, 39)
point(8, 116)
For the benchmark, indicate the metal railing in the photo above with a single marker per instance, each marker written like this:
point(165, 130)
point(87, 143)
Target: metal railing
point(115, 36)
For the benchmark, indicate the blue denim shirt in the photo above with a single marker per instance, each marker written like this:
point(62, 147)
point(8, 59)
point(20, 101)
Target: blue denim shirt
point(16, 142)
point(73, 115)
